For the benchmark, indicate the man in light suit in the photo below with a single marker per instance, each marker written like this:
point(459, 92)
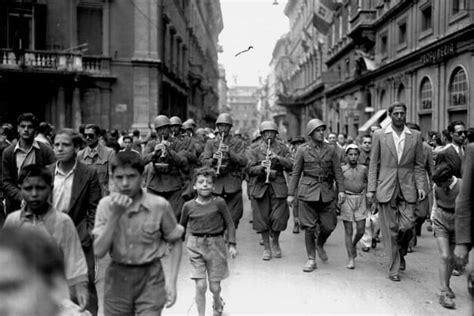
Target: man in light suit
point(396, 178)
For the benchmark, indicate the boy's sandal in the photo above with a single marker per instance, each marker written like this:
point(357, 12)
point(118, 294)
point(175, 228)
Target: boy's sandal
point(217, 310)
point(446, 301)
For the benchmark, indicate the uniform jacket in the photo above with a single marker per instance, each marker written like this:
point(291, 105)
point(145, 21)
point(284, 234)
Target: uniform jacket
point(170, 178)
point(230, 178)
point(385, 171)
point(283, 163)
point(452, 158)
point(101, 164)
point(43, 157)
point(85, 196)
point(315, 173)
point(463, 219)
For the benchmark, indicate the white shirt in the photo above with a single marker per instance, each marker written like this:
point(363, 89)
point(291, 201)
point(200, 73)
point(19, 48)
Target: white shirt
point(398, 140)
point(62, 190)
point(25, 157)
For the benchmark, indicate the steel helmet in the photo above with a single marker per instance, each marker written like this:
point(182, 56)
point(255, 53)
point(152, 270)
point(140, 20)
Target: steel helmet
point(190, 121)
point(187, 125)
point(314, 124)
point(175, 120)
point(224, 118)
point(256, 135)
point(160, 121)
point(200, 131)
point(268, 126)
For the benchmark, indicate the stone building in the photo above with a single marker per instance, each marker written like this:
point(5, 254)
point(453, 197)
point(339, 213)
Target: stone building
point(114, 63)
point(242, 101)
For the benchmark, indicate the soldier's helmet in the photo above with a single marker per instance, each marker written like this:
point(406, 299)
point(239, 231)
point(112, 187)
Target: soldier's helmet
point(224, 118)
point(187, 125)
point(268, 126)
point(175, 120)
point(312, 125)
point(256, 135)
point(160, 121)
point(190, 121)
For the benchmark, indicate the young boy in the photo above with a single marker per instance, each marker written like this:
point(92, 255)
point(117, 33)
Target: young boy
point(133, 226)
point(354, 208)
point(208, 219)
point(36, 184)
point(445, 191)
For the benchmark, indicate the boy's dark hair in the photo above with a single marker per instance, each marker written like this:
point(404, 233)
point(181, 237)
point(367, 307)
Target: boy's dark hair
point(36, 250)
point(442, 173)
point(204, 171)
point(45, 128)
point(453, 124)
point(470, 134)
point(35, 171)
point(28, 117)
point(76, 138)
point(396, 105)
point(95, 127)
point(127, 137)
point(136, 133)
point(447, 135)
point(127, 159)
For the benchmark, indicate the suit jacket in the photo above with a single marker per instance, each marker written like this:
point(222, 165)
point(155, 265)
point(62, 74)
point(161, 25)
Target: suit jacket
point(230, 178)
point(101, 164)
point(85, 196)
point(463, 219)
point(452, 158)
point(256, 155)
point(9, 172)
point(310, 164)
point(385, 172)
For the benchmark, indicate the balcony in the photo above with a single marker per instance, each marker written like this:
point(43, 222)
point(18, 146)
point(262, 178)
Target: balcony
point(54, 61)
point(362, 29)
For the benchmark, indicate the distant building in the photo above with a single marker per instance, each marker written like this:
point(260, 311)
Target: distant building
point(243, 101)
point(222, 87)
point(114, 63)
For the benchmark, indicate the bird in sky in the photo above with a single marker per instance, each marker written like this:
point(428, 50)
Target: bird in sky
point(245, 50)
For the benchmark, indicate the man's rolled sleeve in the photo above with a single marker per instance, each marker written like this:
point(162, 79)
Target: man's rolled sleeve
point(172, 231)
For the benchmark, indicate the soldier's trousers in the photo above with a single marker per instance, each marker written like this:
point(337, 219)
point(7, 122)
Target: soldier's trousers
point(396, 223)
point(234, 204)
point(175, 198)
point(271, 213)
point(319, 217)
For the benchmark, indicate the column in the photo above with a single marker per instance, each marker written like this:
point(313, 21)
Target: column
point(61, 108)
point(76, 108)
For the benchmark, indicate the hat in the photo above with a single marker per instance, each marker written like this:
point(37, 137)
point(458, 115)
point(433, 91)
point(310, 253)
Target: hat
point(352, 146)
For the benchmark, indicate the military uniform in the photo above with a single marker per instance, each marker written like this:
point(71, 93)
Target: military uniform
point(166, 180)
point(228, 184)
point(315, 170)
point(272, 211)
point(99, 159)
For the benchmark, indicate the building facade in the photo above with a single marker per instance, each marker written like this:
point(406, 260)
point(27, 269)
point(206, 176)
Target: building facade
point(114, 63)
point(243, 101)
point(222, 86)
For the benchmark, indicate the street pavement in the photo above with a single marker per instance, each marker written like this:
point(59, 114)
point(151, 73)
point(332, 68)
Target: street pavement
point(279, 286)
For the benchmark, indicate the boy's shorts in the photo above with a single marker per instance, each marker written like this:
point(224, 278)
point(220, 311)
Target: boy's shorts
point(354, 208)
point(443, 225)
point(208, 254)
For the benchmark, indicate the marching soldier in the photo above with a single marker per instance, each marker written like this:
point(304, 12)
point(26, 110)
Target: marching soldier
point(166, 159)
point(316, 167)
point(227, 155)
point(294, 144)
point(267, 162)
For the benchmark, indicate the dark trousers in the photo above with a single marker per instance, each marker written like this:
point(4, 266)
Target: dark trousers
point(271, 213)
point(319, 217)
point(93, 304)
point(234, 204)
point(175, 198)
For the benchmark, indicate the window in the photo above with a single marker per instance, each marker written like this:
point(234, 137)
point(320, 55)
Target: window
point(402, 33)
point(426, 19)
point(383, 45)
point(89, 29)
point(347, 67)
point(339, 74)
point(426, 94)
point(459, 6)
point(458, 88)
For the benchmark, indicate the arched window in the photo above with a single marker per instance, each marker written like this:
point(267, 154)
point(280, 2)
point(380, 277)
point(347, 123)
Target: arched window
point(426, 94)
point(458, 88)
point(401, 93)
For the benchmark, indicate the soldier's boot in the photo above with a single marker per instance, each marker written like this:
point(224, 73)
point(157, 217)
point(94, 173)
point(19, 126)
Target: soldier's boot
point(267, 252)
point(276, 245)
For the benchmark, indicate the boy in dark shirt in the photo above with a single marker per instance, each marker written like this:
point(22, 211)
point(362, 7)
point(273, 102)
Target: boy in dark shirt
point(208, 219)
point(445, 191)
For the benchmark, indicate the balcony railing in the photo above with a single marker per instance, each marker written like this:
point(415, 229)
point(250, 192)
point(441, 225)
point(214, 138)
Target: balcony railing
point(56, 61)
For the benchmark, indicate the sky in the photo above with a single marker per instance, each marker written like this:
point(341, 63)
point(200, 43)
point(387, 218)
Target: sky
point(256, 23)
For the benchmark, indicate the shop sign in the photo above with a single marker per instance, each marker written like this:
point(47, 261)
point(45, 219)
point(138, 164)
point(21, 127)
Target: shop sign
point(438, 54)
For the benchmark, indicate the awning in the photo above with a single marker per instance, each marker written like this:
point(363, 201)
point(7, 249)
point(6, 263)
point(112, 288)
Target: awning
point(386, 122)
point(373, 120)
